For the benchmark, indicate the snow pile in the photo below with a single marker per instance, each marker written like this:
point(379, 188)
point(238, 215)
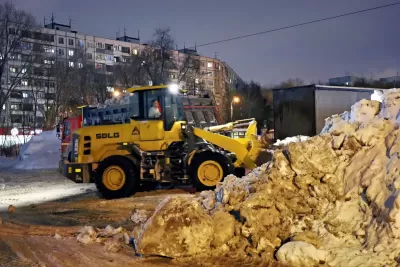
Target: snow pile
point(331, 200)
point(41, 152)
point(123, 98)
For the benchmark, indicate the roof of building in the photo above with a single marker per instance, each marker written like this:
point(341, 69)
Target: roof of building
point(330, 87)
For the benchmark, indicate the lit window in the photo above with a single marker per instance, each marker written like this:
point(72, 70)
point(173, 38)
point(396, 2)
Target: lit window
point(23, 70)
point(71, 64)
point(197, 80)
point(48, 61)
point(80, 65)
point(4, 107)
point(25, 95)
point(24, 82)
point(49, 49)
point(134, 51)
point(70, 52)
point(13, 69)
point(209, 64)
point(14, 106)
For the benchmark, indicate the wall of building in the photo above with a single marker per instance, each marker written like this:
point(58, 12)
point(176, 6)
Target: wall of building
point(58, 42)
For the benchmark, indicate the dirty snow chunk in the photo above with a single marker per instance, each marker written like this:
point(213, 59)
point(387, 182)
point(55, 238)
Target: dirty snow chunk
point(224, 225)
point(140, 216)
point(87, 235)
point(57, 236)
point(288, 140)
point(364, 111)
point(112, 246)
point(179, 227)
point(301, 254)
point(390, 105)
point(208, 199)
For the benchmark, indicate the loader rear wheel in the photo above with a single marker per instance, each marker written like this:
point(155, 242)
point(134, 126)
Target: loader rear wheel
point(116, 178)
point(208, 169)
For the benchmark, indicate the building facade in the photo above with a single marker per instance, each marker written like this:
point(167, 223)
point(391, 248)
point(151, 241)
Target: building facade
point(393, 80)
point(343, 81)
point(56, 43)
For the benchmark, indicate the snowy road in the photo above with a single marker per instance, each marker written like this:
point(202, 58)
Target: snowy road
point(22, 188)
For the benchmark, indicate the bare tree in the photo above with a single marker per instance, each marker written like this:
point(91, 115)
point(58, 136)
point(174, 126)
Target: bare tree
point(131, 72)
point(15, 26)
point(162, 63)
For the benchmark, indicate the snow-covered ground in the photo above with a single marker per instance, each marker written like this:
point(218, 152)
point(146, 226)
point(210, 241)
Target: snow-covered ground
point(22, 188)
point(32, 178)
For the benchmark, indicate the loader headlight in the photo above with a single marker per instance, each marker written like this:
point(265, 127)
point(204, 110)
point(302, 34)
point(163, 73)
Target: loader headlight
point(173, 88)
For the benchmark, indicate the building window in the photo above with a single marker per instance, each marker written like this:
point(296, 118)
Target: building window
point(60, 51)
point(209, 64)
point(13, 69)
point(70, 41)
point(89, 56)
point(89, 44)
point(71, 64)
point(26, 94)
point(80, 65)
point(134, 52)
point(48, 49)
point(15, 106)
point(60, 40)
point(81, 43)
point(125, 50)
point(48, 61)
point(99, 45)
point(197, 80)
point(70, 53)
point(209, 74)
point(24, 82)
point(109, 47)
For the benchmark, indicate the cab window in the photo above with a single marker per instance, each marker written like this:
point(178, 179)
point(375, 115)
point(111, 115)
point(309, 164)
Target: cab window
point(153, 102)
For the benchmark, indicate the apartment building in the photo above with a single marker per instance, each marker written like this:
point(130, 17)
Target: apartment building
point(59, 43)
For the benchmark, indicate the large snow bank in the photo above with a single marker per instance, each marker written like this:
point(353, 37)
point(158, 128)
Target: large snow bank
point(331, 200)
point(41, 152)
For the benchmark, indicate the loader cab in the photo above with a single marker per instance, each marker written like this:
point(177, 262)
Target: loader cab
point(159, 104)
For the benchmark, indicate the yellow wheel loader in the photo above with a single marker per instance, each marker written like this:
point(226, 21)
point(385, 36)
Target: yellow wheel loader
point(157, 146)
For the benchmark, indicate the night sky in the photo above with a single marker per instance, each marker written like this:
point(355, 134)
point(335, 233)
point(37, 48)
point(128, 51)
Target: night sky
point(366, 44)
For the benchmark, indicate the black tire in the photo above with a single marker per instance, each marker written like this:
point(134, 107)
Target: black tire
point(224, 162)
point(240, 172)
point(131, 184)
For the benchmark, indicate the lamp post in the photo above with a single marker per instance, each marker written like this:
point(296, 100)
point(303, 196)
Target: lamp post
point(236, 100)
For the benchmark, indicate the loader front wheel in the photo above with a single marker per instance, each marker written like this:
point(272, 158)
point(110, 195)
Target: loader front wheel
point(116, 178)
point(208, 169)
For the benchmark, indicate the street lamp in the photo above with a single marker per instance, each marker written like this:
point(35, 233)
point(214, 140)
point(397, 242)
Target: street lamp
point(236, 100)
